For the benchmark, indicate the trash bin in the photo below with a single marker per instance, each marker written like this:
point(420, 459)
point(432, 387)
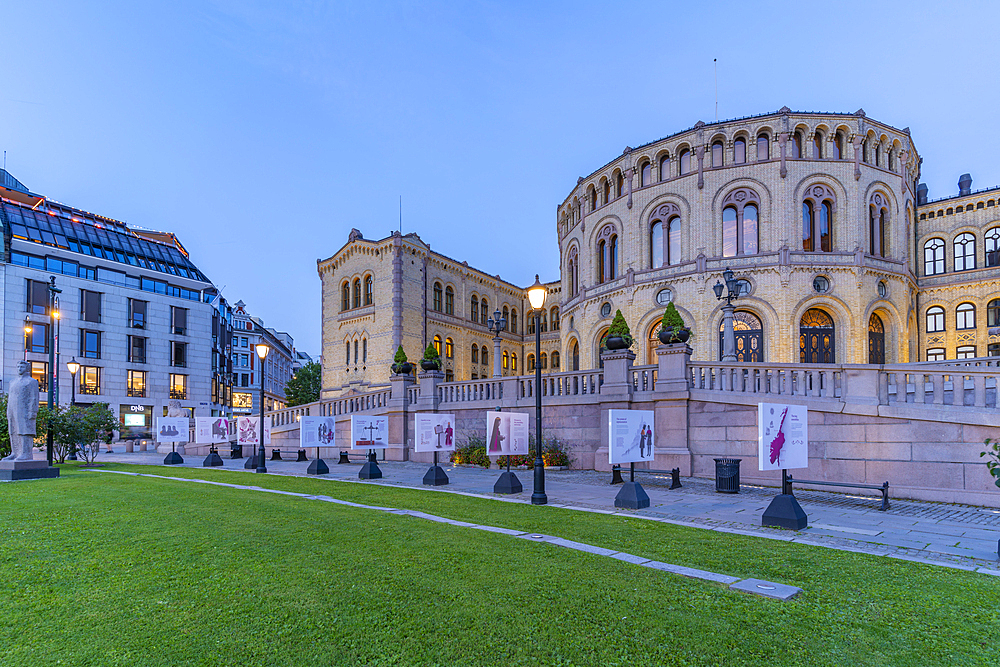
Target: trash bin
point(235, 451)
point(727, 475)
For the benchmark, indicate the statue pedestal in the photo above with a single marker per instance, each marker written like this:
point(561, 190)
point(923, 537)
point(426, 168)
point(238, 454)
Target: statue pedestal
point(15, 470)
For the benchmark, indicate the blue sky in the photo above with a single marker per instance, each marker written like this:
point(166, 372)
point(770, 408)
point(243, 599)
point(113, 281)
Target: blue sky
point(262, 132)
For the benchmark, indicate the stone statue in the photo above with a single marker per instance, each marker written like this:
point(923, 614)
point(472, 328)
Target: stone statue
point(174, 409)
point(22, 408)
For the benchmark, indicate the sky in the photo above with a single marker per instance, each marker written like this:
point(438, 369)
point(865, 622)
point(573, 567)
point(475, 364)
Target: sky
point(262, 132)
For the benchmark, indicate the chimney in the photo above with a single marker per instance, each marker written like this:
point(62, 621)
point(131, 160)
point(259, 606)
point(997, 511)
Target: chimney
point(965, 184)
point(921, 194)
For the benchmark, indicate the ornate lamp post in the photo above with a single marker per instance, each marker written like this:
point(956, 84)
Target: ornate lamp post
point(27, 335)
point(74, 366)
point(262, 350)
point(732, 293)
point(536, 297)
point(53, 290)
point(496, 324)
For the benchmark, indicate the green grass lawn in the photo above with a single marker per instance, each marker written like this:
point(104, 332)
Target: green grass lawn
point(102, 569)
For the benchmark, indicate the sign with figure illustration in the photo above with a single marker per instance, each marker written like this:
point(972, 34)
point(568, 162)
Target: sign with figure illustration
point(506, 433)
point(316, 432)
point(211, 430)
point(435, 432)
point(248, 430)
point(369, 432)
point(630, 436)
point(782, 436)
point(171, 429)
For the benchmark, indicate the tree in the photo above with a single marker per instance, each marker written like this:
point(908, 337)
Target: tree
point(95, 425)
point(305, 385)
point(4, 433)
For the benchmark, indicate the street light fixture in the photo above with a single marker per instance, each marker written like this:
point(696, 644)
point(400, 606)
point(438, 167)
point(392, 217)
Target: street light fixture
point(53, 290)
point(262, 350)
point(496, 324)
point(74, 366)
point(27, 333)
point(536, 297)
point(732, 293)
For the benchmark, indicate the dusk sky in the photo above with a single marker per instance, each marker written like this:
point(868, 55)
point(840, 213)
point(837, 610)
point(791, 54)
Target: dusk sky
point(262, 132)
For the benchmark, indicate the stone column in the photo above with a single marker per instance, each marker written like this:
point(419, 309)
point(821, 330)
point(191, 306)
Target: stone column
point(631, 174)
point(782, 142)
point(398, 413)
point(857, 156)
point(672, 405)
point(615, 394)
point(701, 167)
point(496, 357)
point(728, 336)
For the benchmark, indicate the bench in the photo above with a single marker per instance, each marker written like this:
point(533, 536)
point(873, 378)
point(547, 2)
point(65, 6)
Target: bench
point(884, 488)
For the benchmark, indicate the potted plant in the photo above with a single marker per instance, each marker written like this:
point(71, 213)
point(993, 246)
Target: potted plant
point(618, 337)
point(400, 365)
point(431, 360)
point(672, 329)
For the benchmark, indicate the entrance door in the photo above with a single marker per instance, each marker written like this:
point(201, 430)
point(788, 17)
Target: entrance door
point(816, 338)
point(876, 340)
point(749, 335)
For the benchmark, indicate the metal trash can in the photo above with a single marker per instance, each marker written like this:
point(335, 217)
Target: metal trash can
point(727, 475)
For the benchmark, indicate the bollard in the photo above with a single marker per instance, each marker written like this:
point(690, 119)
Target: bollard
point(275, 454)
point(343, 458)
point(616, 475)
point(675, 478)
point(302, 456)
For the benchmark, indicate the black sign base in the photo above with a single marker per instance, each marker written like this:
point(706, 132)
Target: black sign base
point(317, 467)
point(172, 459)
point(508, 483)
point(370, 470)
point(435, 476)
point(785, 512)
point(213, 459)
point(251, 463)
point(632, 496)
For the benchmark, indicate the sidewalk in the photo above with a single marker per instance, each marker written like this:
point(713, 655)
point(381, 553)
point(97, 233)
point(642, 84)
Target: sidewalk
point(958, 536)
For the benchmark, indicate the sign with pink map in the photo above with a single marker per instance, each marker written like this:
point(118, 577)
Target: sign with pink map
point(782, 436)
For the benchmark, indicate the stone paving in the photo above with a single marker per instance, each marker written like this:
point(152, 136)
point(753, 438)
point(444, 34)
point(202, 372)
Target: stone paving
point(957, 536)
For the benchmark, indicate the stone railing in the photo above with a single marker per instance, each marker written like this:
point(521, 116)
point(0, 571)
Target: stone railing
point(570, 383)
point(812, 380)
point(937, 385)
point(644, 377)
point(370, 401)
point(471, 390)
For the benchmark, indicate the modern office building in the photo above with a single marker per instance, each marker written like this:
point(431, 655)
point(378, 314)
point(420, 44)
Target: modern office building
point(249, 372)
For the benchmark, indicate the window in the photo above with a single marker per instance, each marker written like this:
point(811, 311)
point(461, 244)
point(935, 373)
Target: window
point(90, 380)
point(437, 344)
point(364, 350)
point(665, 236)
point(90, 306)
point(179, 386)
point(993, 247)
point(935, 319)
point(245, 379)
point(355, 353)
point(474, 310)
point(178, 354)
point(485, 354)
point(449, 301)
point(592, 196)
point(685, 162)
point(475, 353)
point(620, 184)
point(837, 146)
point(717, 154)
point(357, 292)
point(244, 360)
point(449, 348)
point(137, 349)
point(555, 360)
point(40, 372)
point(645, 174)
point(554, 318)
point(484, 309)
point(607, 254)
point(572, 272)
point(531, 363)
point(513, 363)
point(763, 147)
point(368, 291)
point(966, 352)
point(739, 223)
point(506, 360)
point(606, 310)
point(437, 297)
point(38, 297)
point(664, 167)
point(817, 146)
point(878, 218)
point(137, 313)
point(136, 384)
point(935, 354)
point(38, 339)
point(90, 344)
point(817, 220)
point(933, 257)
point(993, 350)
point(965, 252)
point(244, 341)
point(345, 297)
point(178, 320)
point(965, 316)
point(449, 375)
point(576, 356)
point(739, 152)
point(544, 360)
point(531, 326)
point(993, 313)
point(796, 145)
point(513, 320)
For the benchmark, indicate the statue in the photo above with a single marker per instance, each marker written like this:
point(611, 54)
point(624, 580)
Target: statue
point(22, 408)
point(174, 409)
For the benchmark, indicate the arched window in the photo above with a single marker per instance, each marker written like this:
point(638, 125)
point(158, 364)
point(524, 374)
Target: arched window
point(437, 297)
point(485, 354)
point(817, 220)
point(816, 338)
point(513, 320)
point(796, 145)
point(364, 350)
point(531, 363)
point(592, 196)
point(993, 313)
point(892, 160)
point(685, 162)
point(357, 292)
point(437, 344)
point(934, 257)
point(573, 271)
point(877, 151)
point(576, 356)
point(740, 151)
point(965, 252)
point(449, 300)
point(664, 167)
point(474, 309)
point(837, 146)
point(505, 361)
point(817, 146)
point(619, 184)
point(717, 150)
point(543, 325)
point(355, 353)
point(607, 192)
point(763, 147)
point(554, 318)
point(348, 345)
point(965, 316)
point(993, 247)
point(345, 297)
point(645, 173)
point(506, 316)
point(665, 236)
point(530, 326)
point(740, 223)
point(368, 291)
point(607, 254)
point(935, 319)
point(555, 360)
point(544, 361)
point(484, 311)
point(748, 332)
point(513, 362)
point(475, 353)
point(876, 340)
point(449, 348)
point(878, 218)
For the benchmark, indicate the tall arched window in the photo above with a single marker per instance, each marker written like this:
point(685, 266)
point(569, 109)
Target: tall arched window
point(543, 323)
point(645, 173)
point(664, 167)
point(796, 145)
point(484, 311)
point(505, 360)
point(572, 271)
point(607, 192)
point(506, 316)
point(530, 326)
point(876, 340)
point(665, 236)
point(348, 344)
point(878, 219)
point(474, 309)
point(592, 196)
point(740, 151)
point(555, 360)
point(437, 344)
point(544, 360)
point(965, 316)
point(364, 350)
point(531, 363)
point(877, 152)
point(576, 356)
point(554, 318)
point(717, 150)
point(368, 291)
point(763, 147)
point(607, 254)
point(619, 184)
point(993, 247)
point(355, 353)
point(934, 257)
point(685, 162)
point(437, 297)
point(357, 292)
point(485, 354)
point(965, 252)
point(837, 146)
point(513, 362)
point(449, 348)
point(740, 223)
point(993, 313)
point(475, 353)
point(817, 220)
point(817, 145)
point(935, 319)
point(345, 297)
point(817, 343)
point(513, 320)
point(449, 300)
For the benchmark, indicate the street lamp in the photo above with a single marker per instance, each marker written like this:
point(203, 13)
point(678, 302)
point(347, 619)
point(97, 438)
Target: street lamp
point(536, 297)
point(732, 293)
point(496, 324)
point(53, 290)
point(262, 350)
point(74, 366)
point(27, 335)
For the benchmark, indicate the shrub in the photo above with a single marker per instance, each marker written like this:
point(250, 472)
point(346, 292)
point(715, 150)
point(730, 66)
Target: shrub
point(431, 354)
point(994, 453)
point(553, 454)
point(400, 357)
point(619, 327)
point(473, 451)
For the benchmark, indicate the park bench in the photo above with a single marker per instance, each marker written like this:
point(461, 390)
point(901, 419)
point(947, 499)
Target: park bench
point(884, 488)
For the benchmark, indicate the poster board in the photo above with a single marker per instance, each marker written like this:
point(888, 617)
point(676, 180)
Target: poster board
point(506, 433)
point(248, 431)
point(172, 429)
point(369, 432)
point(782, 436)
point(630, 436)
point(317, 432)
point(435, 432)
point(211, 430)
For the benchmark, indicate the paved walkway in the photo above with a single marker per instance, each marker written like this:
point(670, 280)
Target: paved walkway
point(957, 536)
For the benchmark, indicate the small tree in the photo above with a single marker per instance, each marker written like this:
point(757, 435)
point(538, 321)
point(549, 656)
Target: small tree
point(4, 434)
point(97, 426)
point(672, 321)
point(994, 453)
point(400, 357)
point(619, 327)
point(304, 386)
point(45, 420)
point(431, 354)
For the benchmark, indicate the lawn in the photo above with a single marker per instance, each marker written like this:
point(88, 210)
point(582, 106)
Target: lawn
point(102, 569)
